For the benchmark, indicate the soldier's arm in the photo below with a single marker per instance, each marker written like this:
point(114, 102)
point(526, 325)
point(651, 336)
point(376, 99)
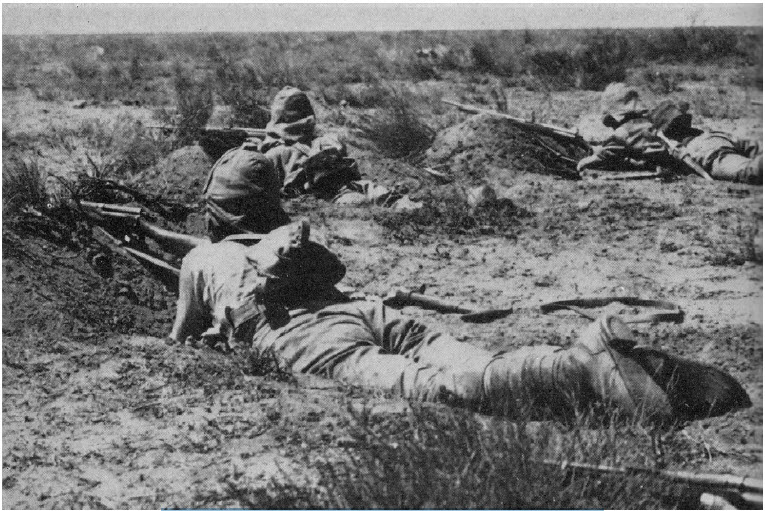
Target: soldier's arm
point(192, 317)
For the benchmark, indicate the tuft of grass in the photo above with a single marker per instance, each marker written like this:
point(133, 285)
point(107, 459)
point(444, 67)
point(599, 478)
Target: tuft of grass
point(23, 186)
point(194, 104)
point(397, 130)
point(435, 457)
point(121, 148)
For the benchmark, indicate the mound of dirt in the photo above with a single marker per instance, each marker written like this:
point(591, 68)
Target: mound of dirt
point(474, 148)
point(180, 176)
point(54, 288)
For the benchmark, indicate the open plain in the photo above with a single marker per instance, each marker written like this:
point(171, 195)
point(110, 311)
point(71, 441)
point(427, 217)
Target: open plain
point(99, 413)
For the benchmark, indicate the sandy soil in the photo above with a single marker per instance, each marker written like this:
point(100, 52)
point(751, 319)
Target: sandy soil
point(99, 412)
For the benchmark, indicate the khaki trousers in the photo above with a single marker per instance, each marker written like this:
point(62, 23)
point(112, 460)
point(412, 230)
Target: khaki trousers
point(735, 167)
point(369, 345)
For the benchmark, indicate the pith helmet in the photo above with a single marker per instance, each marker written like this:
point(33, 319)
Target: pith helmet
point(618, 99)
point(290, 105)
point(292, 116)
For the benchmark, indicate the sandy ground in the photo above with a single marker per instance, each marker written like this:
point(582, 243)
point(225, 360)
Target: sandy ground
point(95, 418)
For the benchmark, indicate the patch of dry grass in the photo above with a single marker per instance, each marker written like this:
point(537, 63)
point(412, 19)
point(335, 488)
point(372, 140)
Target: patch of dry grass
point(444, 458)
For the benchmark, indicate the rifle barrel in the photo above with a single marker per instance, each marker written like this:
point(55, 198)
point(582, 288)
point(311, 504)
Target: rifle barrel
point(728, 481)
point(539, 126)
point(250, 132)
point(112, 209)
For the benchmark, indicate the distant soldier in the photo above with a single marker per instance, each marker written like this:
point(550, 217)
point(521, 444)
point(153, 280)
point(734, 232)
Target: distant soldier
point(280, 295)
point(319, 165)
point(633, 143)
point(722, 155)
point(637, 141)
point(242, 194)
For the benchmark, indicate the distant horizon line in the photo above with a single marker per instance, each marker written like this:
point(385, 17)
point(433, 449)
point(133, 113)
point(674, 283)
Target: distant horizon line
point(372, 31)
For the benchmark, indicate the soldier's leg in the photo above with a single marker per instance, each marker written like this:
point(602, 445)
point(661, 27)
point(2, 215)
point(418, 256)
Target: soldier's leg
point(342, 341)
point(599, 368)
point(735, 167)
point(371, 346)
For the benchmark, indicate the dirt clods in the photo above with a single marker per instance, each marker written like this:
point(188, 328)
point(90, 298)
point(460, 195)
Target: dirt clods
point(472, 149)
point(180, 176)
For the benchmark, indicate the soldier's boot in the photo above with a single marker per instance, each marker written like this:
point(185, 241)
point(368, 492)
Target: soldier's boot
point(599, 368)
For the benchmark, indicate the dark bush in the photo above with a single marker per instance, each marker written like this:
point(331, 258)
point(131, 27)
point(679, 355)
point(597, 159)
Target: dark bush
point(85, 70)
point(194, 102)
point(602, 60)
point(23, 185)
point(397, 129)
point(696, 45)
point(241, 86)
point(483, 57)
point(556, 67)
point(420, 69)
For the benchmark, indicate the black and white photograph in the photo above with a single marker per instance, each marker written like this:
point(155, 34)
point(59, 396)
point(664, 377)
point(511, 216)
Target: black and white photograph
point(382, 256)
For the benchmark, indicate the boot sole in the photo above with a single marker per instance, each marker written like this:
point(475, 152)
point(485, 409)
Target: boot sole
point(631, 389)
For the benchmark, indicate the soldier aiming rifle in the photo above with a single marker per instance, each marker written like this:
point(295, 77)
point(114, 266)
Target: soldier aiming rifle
point(664, 138)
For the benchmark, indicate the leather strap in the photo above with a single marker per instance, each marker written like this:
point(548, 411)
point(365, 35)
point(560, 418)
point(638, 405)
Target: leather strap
point(672, 313)
point(249, 310)
point(242, 314)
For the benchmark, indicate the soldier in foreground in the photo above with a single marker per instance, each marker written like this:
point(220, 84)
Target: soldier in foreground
point(319, 165)
point(280, 295)
point(664, 137)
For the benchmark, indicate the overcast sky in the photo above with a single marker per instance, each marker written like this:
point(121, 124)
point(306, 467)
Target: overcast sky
point(79, 18)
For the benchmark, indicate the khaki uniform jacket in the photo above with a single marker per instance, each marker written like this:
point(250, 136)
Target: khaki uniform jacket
point(242, 192)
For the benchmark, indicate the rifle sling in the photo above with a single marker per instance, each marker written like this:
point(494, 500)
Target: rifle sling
point(673, 312)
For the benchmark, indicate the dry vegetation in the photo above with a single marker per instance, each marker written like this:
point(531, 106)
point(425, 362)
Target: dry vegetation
point(182, 428)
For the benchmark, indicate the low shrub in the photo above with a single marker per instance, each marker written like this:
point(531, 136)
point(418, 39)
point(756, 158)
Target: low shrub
point(445, 458)
point(113, 149)
point(85, 70)
point(240, 85)
point(23, 185)
point(397, 130)
point(555, 67)
point(194, 104)
point(601, 60)
point(482, 57)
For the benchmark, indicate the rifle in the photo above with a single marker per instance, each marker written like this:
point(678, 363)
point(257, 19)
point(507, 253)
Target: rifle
point(547, 129)
point(749, 488)
point(238, 131)
point(129, 222)
point(124, 230)
point(676, 152)
point(402, 297)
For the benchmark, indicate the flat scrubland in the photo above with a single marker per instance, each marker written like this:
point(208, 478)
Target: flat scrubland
point(99, 413)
